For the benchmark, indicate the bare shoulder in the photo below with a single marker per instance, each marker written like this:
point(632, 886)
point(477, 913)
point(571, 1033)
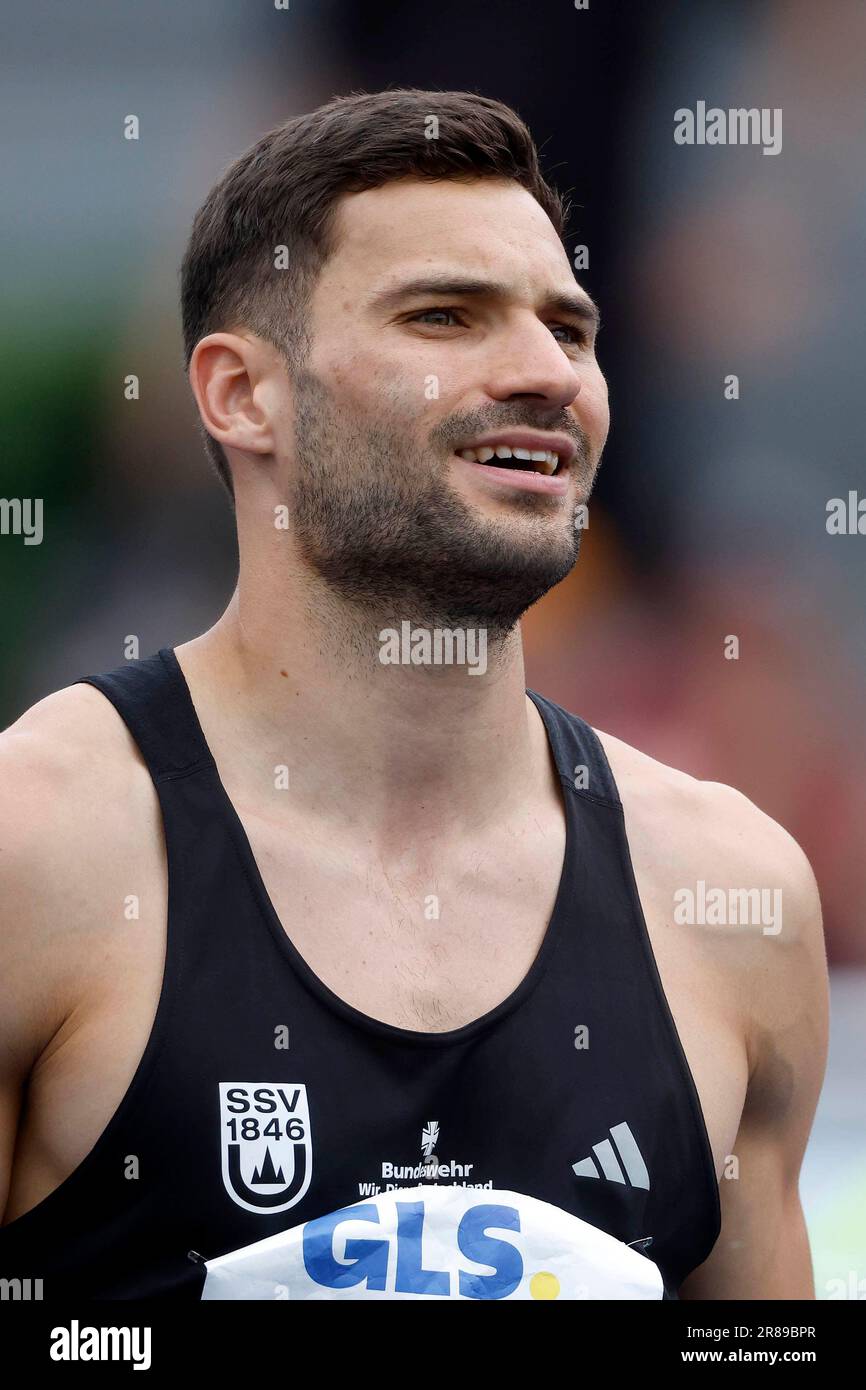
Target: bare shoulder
point(77, 720)
point(739, 893)
point(712, 832)
point(76, 806)
point(62, 764)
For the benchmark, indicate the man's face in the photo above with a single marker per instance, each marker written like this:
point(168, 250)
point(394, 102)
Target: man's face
point(448, 317)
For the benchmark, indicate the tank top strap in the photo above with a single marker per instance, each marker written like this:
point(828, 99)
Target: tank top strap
point(580, 759)
point(153, 699)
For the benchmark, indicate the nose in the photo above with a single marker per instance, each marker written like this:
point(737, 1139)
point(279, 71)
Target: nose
point(528, 361)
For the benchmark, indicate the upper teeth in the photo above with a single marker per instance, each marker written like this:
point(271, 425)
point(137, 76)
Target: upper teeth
point(543, 460)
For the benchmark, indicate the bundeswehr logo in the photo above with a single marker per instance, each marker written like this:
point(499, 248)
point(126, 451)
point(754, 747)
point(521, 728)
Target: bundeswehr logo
point(266, 1153)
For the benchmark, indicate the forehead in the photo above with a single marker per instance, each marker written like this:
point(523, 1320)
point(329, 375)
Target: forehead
point(485, 226)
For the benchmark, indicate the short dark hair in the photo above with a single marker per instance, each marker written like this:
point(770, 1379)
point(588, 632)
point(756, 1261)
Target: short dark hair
point(283, 190)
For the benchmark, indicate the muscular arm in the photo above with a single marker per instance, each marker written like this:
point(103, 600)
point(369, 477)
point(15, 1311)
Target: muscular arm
point(67, 859)
point(763, 1249)
point(32, 1002)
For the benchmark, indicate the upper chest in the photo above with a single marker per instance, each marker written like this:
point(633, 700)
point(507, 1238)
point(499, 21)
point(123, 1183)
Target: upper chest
point(428, 942)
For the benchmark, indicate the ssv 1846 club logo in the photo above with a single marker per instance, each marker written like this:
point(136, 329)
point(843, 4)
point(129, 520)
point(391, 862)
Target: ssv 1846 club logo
point(266, 1151)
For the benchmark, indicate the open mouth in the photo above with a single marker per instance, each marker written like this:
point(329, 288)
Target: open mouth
point(544, 461)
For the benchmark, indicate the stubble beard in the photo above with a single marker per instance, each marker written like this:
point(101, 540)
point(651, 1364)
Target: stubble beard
point(394, 540)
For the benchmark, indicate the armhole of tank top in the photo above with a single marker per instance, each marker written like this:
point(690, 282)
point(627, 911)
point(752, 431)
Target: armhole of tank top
point(655, 975)
point(145, 1069)
point(679, 1051)
point(586, 739)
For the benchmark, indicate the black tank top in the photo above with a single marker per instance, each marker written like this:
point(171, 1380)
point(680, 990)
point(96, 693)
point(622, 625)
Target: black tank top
point(554, 1147)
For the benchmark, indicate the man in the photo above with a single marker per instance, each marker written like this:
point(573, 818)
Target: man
point(322, 910)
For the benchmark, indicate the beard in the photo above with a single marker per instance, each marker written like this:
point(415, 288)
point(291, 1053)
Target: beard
point(392, 537)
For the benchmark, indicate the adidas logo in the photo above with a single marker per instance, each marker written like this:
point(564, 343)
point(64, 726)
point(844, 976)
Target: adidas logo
point(612, 1157)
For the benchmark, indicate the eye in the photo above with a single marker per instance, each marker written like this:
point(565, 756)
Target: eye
point(435, 317)
point(577, 337)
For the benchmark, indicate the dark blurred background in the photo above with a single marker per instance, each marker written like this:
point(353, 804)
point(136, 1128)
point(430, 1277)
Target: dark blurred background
point(710, 514)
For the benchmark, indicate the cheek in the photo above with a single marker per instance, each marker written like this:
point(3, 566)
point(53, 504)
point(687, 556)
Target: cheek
point(344, 376)
point(592, 407)
point(363, 380)
point(389, 393)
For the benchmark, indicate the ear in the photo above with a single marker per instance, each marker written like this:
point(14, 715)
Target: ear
point(228, 374)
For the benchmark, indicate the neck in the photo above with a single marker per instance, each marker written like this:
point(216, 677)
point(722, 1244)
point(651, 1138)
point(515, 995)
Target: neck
point(296, 680)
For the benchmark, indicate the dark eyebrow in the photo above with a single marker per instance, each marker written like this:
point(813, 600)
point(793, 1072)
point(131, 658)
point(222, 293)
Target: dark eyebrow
point(576, 306)
point(579, 306)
